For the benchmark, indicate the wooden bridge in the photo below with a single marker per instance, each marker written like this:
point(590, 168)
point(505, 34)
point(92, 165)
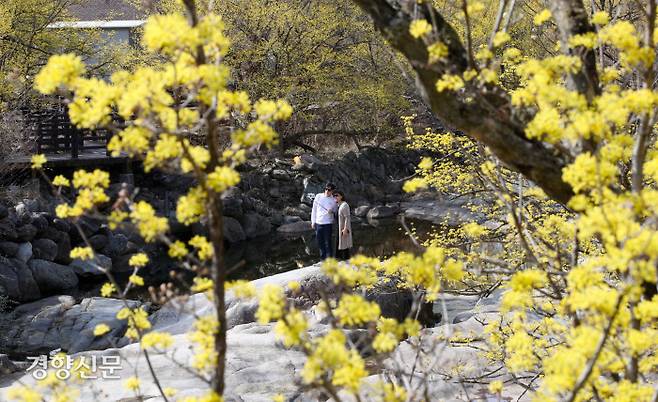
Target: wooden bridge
point(51, 133)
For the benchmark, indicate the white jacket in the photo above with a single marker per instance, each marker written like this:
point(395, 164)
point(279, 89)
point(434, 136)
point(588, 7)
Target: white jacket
point(323, 209)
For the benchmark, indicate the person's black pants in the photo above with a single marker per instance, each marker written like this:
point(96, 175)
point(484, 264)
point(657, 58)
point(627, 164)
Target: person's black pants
point(323, 234)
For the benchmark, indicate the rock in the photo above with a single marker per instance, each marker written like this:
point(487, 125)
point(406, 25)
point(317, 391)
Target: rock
point(307, 162)
point(26, 232)
point(44, 249)
point(7, 230)
point(232, 206)
point(116, 245)
point(39, 222)
point(16, 281)
point(255, 225)
point(291, 219)
point(233, 231)
point(380, 212)
point(295, 228)
point(90, 267)
point(64, 250)
point(311, 189)
point(98, 241)
point(8, 248)
point(438, 212)
point(280, 174)
point(61, 225)
point(24, 252)
point(4, 212)
point(362, 211)
point(52, 277)
point(7, 366)
point(58, 323)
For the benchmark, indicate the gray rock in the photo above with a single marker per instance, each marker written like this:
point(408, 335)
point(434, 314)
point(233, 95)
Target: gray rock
point(233, 231)
point(255, 225)
point(7, 366)
point(58, 323)
point(44, 249)
point(4, 212)
point(39, 222)
point(16, 281)
point(291, 219)
point(7, 230)
point(280, 174)
point(61, 225)
point(90, 267)
point(362, 211)
point(53, 234)
point(232, 206)
point(380, 212)
point(24, 252)
point(311, 189)
point(52, 277)
point(8, 248)
point(26, 232)
point(116, 245)
point(295, 228)
point(98, 241)
point(64, 250)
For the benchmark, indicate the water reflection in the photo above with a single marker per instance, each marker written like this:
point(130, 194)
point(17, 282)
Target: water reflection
point(270, 255)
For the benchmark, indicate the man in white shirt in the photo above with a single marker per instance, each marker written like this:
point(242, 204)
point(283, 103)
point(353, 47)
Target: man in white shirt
point(322, 219)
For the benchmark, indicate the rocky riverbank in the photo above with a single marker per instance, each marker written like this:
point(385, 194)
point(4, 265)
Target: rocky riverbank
point(259, 367)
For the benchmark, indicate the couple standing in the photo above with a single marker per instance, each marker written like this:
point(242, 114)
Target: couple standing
point(325, 205)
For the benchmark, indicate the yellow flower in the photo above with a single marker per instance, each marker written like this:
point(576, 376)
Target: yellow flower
point(38, 161)
point(203, 246)
point(101, 329)
point(138, 260)
point(61, 70)
point(501, 38)
point(600, 18)
point(449, 83)
point(419, 28)
point(222, 178)
point(543, 16)
point(160, 340)
point(136, 280)
point(496, 387)
point(131, 384)
point(61, 181)
point(437, 51)
point(107, 289)
point(271, 303)
point(178, 250)
point(82, 253)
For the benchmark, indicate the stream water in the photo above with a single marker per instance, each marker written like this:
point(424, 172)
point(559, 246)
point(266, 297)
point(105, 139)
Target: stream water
point(270, 255)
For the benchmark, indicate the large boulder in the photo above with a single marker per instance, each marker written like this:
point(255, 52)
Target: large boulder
point(254, 225)
point(26, 232)
point(98, 241)
point(24, 252)
point(57, 322)
point(295, 228)
point(52, 277)
point(17, 282)
point(91, 267)
point(232, 206)
point(311, 188)
point(44, 249)
point(7, 230)
point(362, 211)
point(233, 231)
point(381, 212)
point(117, 244)
point(8, 248)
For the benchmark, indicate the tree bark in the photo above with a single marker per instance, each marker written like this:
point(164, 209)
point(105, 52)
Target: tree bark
point(488, 118)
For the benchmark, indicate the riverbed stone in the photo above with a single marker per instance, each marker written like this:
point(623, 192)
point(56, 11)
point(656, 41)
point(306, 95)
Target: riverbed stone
point(44, 249)
point(24, 252)
point(380, 212)
point(362, 211)
point(8, 248)
point(290, 219)
point(233, 231)
point(52, 277)
point(295, 228)
point(117, 244)
point(255, 224)
point(98, 241)
point(90, 267)
point(8, 230)
point(26, 232)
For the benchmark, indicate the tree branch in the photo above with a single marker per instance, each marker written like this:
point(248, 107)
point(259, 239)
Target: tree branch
point(488, 117)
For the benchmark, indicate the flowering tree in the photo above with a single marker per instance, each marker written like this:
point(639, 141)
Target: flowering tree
point(561, 147)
